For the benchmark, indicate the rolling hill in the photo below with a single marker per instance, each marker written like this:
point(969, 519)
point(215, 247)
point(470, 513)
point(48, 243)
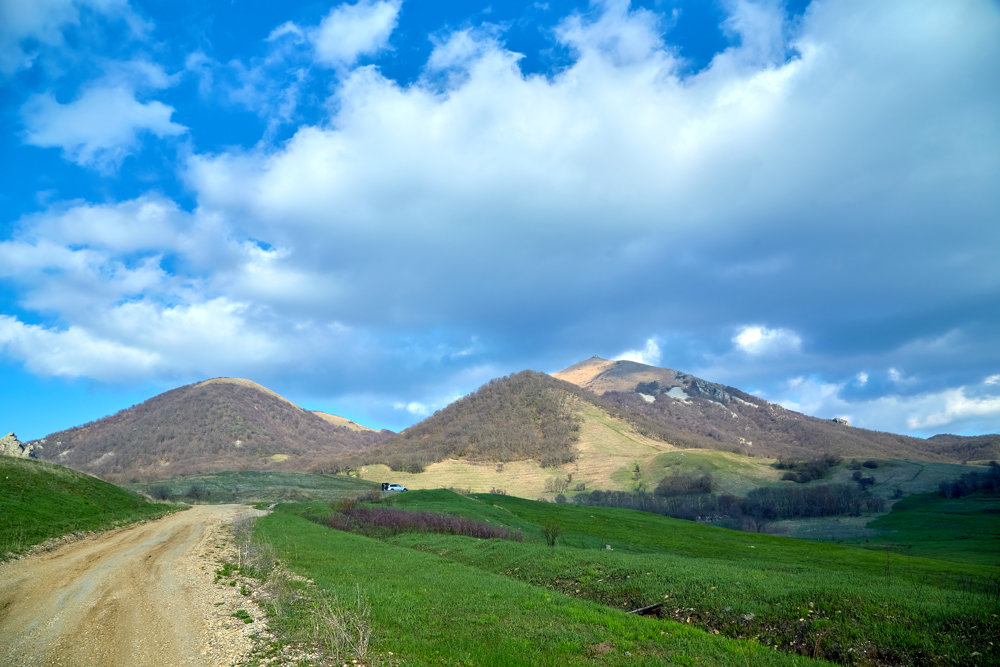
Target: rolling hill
point(219, 424)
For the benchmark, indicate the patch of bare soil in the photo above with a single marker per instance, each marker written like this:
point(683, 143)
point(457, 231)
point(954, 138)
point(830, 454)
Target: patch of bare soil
point(142, 595)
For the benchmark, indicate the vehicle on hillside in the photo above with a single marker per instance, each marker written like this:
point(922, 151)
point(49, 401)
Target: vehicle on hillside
point(393, 487)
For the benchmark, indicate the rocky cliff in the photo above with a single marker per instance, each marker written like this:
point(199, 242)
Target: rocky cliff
point(11, 446)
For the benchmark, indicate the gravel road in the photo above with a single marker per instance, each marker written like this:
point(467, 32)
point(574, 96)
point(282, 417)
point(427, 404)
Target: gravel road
point(141, 595)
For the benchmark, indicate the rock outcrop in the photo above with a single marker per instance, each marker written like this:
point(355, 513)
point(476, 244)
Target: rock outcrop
point(11, 446)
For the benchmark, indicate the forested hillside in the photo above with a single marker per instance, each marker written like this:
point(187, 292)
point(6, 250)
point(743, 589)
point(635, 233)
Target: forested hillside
point(205, 427)
point(528, 415)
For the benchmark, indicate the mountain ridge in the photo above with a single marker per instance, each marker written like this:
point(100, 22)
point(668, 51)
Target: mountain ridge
point(529, 417)
point(685, 410)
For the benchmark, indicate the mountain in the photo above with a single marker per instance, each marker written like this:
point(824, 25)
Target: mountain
point(604, 424)
point(528, 415)
point(690, 412)
point(219, 424)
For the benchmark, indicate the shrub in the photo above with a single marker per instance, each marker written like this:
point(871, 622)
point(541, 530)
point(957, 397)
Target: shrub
point(160, 492)
point(807, 470)
point(385, 521)
point(682, 485)
point(551, 530)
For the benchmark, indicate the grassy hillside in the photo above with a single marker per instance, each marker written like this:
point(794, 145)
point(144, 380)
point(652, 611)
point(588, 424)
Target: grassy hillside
point(418, 608)
point(964, 530)
point(786, 597)
point(40, 500)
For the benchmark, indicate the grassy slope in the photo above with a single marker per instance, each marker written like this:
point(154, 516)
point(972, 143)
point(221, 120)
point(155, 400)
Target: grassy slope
point(848, 604)
point(431, 610)
point(964, 530)
point(41, 500)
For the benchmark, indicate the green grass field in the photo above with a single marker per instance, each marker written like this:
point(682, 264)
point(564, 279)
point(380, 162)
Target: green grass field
point(964, 530)
point(428, 609)
point(41, 500)
point(441, 599)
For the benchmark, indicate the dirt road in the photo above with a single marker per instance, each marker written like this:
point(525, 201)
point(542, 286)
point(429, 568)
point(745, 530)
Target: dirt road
point(142, 595)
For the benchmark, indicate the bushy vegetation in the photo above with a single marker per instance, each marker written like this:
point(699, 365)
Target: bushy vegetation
point(524, 416)
point(808, 470)
point(386, 521)
point(40, 500)
point(987, 481)
point(683, 484)
point(760, 506)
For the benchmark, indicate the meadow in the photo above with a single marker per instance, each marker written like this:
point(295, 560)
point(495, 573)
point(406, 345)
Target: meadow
point(723, 597)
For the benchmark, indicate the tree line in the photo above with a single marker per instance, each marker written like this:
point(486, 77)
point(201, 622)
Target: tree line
point(971, 482)
point(684, 497)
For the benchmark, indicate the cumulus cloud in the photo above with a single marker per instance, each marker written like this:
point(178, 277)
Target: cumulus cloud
point(99, 128)
point(650, 354)
point(28, 27)
point(350, 31)
point(968, 408)
point(758, 340)
point(73, 352)
point(618, 193)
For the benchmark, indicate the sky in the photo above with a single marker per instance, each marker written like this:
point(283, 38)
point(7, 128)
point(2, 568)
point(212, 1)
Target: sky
point(375, 207)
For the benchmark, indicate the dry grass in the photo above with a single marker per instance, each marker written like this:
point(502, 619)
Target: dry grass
point(607, 449)
point(242, 382)
point(583, 373)
point(340, 421)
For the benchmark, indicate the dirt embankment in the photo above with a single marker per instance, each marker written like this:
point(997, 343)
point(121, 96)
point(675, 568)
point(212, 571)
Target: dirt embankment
point(142, 595)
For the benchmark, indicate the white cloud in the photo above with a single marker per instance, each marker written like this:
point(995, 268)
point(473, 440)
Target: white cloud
point(966, 408)
point(414, 408)
point(758, 340)
point(462, 48)
point(74, 352)
point(951, 406)
point(618, 193)
point(620, 33)
point(285, 29)
point(27, 25)
point(650, 354)
point(759, 26)
point(351, 31)
point(100, 128)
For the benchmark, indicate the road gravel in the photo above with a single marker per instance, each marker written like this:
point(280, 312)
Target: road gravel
point(142, 595)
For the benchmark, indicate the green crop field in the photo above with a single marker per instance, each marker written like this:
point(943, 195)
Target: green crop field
point(41, 500)
point(727, 597)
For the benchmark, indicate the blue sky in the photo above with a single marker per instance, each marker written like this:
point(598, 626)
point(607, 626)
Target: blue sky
point(375, 207)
